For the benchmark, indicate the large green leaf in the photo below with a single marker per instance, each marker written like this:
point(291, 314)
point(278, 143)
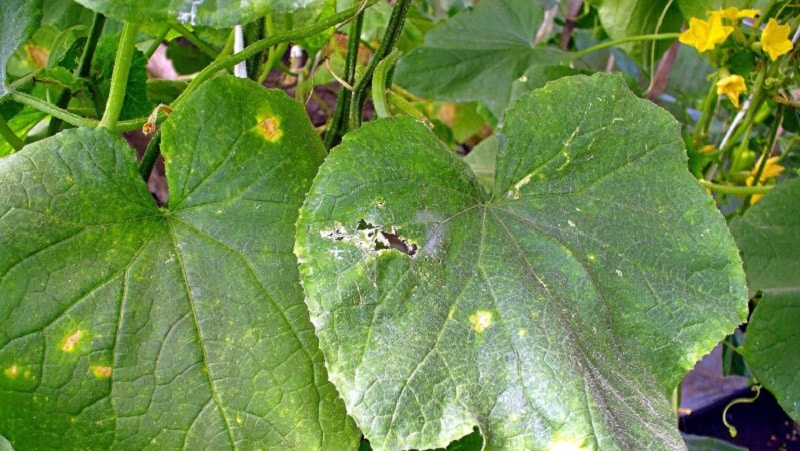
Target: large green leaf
point(218, 13)
point(559, 311)
point(18, 20)
point(624, 18)
point(476, 55)
point(769, 236)
point(126, 326)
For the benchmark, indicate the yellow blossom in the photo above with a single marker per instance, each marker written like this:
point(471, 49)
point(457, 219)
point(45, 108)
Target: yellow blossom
point(732, 86)
point(705, 35)
point(775, 39)
point(771, 170)
point(734, 13)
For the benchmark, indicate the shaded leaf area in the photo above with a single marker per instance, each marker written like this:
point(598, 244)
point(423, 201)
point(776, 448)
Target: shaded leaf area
point(477, 54)
point(123, 325)
point(18, 20)
point(623, 18)
point(219, 13)
point(769, 237)
point(558, 312)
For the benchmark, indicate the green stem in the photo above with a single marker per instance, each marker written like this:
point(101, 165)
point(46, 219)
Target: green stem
point(119, 78)
point(273, 59)
point(197, 42)
point(379, 83)
point(150, 156)
point(83, 70)
point(338, 126)
point(51, 109)
point(229, 61)
point(393, 31)
point(701, 127)
point(607, 44)
point(9, 135)
point(735, 190)
point(157, 41)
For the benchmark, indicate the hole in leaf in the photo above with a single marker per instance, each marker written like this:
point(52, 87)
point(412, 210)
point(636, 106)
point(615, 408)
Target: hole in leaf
point(398, 243)
point(386, 240)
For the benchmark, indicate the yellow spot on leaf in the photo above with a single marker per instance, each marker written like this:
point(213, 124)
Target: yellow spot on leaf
point(12, 371)
point(101, 371)
point(522, 332)
point(481, 320)
point(563, 443)
point(71, 342)
point(271, 129)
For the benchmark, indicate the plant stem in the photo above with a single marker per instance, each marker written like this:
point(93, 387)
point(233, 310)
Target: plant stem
point(393, 30)
point(82, 71)
point(338, 126)
point(607, 44)
point(119, 78)
point(229, 61)
point(157, 41)
point(735, 190)
point(150, 156)
point(9, 135)
point(197, 42)
point(379, 83)
point(51, 109)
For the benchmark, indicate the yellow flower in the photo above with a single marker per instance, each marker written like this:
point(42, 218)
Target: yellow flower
point(775, 39)
point(734, 13)
point(732, 86)
point(705, 35)
point(771, 170)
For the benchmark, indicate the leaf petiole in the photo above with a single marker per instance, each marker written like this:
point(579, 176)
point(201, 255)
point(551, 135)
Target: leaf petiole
point(616, 42)
point(119, 78)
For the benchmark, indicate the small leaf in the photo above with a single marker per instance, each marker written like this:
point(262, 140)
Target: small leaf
point(218, 14)
point(769, 237)
point(558, 312)
point(18, 20)
point(127, 326)
point(476, 55)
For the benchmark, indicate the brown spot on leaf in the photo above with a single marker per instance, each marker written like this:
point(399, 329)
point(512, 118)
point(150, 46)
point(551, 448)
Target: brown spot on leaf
point(101, 371)
point(271, 129)
point(71, 342)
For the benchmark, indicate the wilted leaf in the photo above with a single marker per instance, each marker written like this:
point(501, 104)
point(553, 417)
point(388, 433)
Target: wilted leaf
point(127, 326)
point(558, 312)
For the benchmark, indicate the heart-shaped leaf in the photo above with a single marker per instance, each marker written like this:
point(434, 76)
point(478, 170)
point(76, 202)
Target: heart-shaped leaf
point(769, 236)
point(126, 326)
point(478, 54)
point(559, 311)
point(219, 13)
